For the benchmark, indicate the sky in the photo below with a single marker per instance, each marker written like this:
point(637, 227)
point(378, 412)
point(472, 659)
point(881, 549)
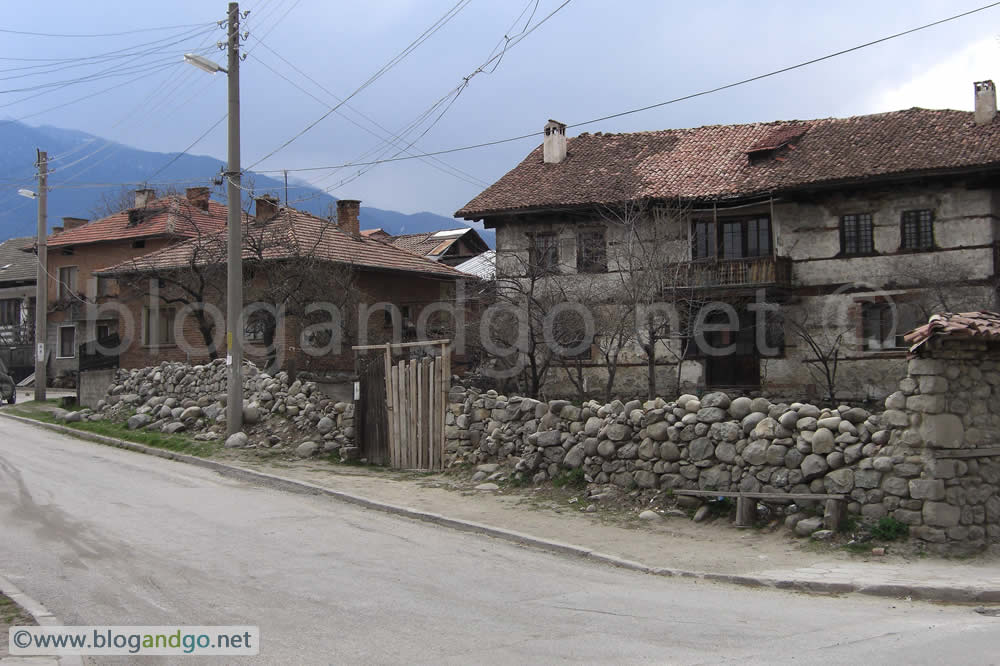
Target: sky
point(590, 59)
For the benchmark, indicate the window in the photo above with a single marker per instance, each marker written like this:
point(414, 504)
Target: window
point(883, 326)
point(856, 234)
point(10, 312)
point(158, 326)
point(703, 240)
point(591, 251)
point(67, 341)
point(67, 282)
point(138, 244)
point(105, 286)
point(103, 331)
point(543, 254)
point(917, 230)
point(732, 239)
point(256, 326)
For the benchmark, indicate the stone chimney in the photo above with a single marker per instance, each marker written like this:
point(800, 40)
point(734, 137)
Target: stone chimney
point(266, 207)
point(198, 196)
point(74, 222)
point(986, 102)
point(143, 197)
point(347, 216)
point(554, 146)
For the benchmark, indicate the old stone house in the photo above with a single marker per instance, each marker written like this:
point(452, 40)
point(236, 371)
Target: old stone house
point(854, 228)
point(81, 304)
point(295, 262)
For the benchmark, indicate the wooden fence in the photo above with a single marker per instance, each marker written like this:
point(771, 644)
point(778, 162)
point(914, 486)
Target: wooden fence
point(408, 433)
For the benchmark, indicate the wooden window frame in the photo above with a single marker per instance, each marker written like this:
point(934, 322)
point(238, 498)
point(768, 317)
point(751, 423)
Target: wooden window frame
point(592, 256)
point(916, 219)
point(861, 226)
point(716, 233)
point(551, 265)
point(168, 332)
point(60, 339)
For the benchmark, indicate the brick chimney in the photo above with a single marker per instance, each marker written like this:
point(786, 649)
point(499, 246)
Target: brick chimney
point(986, 102)
point(554, 146)
point(266, 207)
point(198, 196)
point(74, 222)
point(347, 216)
point(143, 197)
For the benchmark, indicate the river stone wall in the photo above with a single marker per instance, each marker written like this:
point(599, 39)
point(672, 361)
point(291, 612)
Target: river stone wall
point(711, 443)
point(179, 397)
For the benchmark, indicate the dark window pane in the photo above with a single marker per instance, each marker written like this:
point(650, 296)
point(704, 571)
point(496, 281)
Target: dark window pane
point(732, 240)
point(917, 231)
point(591, 251)
point(703, 241)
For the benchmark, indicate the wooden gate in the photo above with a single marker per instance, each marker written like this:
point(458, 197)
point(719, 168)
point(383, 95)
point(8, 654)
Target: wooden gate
point(404, 404)
point(370, 414)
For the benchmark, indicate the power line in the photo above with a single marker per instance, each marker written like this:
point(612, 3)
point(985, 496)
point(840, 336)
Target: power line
point(101, 34)
point(675, 100)
point(424, 36)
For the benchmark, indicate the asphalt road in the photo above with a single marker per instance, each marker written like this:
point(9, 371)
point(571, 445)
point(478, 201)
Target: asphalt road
point(105, 536)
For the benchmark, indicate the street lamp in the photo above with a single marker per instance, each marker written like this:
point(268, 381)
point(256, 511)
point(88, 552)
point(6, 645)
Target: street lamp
point(27, 193)
point(234, 260)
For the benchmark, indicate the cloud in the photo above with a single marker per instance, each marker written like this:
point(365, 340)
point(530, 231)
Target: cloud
point(946, 85)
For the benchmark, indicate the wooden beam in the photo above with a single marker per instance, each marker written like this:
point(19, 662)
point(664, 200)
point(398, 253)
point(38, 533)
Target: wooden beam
point(400, 345)
point(969, 453)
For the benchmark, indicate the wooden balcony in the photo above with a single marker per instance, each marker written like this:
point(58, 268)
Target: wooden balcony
point(734, 273)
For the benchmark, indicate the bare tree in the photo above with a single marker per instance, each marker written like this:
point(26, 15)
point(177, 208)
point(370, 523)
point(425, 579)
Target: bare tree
point(826, 347)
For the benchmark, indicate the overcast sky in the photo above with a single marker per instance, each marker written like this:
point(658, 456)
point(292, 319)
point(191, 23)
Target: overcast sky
point(591, 59)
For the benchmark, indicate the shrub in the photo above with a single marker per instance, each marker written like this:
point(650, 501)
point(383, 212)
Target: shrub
point(890, 529)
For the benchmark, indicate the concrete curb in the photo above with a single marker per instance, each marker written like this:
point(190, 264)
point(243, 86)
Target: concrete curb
point(938, 593)
point(41, 615)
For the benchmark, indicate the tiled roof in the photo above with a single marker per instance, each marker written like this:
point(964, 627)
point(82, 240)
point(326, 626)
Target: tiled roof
point(432, 244)
point(16, 265)
point(168, 216)
point(980, 325)
point(712, 162)
point(289, 234)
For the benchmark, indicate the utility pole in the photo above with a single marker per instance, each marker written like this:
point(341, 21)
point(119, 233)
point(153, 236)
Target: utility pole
point(41, 280)
point(234, 295)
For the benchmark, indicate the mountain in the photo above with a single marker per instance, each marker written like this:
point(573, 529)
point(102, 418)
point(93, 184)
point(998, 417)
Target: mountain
point(113, 163)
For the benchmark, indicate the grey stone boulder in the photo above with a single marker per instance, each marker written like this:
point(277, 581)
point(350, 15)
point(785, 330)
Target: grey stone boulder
point(711, 414)
point(548, 438)
point(813, 466)
point(593, 426)
point(840, 481)
point(717, 399)
point(574, 457)
point(73, 417)
point(617, 432)
point(173, 428)
point(251, 414)
point(822, 441)
point(306, 449)
point(755, 452)
point(740, 408)
point(191, 413)
point(658, 431)
point(701, 449)
point(138, 421)
point(807, 526)
point(324, 425)
point(237, 440)
point(650, 515)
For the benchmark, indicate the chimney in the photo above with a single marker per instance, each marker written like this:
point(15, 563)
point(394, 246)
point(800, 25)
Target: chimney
point(56, 230)
point(143, 197)
point(554, 147)
point(198, 196)
point(347, 216)
point(986, 102)
point(74, 222)
point(266, 207)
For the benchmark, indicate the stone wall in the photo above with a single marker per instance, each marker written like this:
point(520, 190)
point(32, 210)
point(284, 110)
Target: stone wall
point(947, 406)
point(178, 397)
point(92, 386)
point(714, 442)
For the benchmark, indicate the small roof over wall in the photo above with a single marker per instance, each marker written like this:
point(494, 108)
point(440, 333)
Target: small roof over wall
point(983, 326)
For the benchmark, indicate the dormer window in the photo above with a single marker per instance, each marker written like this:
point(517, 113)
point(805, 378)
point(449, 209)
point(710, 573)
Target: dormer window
point(776, 142)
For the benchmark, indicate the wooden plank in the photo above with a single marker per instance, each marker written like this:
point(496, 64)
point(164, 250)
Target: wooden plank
point(746, 511)
point(402, 405)
point(969, 453)
point(763, 496)
point(432, 418)
point(411, 414)
point(418, 416)
point(401, 345)
point(833, 514)
point(445, 385)
point(397, 435)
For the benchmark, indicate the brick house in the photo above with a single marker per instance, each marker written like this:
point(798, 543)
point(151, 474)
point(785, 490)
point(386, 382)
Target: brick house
point(81, 303)
point(856, 228)
point(291, 259)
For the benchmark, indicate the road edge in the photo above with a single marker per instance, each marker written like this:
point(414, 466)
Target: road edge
point(944, 594)
point(42, 616)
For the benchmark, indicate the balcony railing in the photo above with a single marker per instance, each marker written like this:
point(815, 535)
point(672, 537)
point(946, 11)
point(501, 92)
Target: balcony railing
point(748, 272)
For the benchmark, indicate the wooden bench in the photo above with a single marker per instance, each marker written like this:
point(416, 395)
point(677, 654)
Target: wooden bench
point(746, 510)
